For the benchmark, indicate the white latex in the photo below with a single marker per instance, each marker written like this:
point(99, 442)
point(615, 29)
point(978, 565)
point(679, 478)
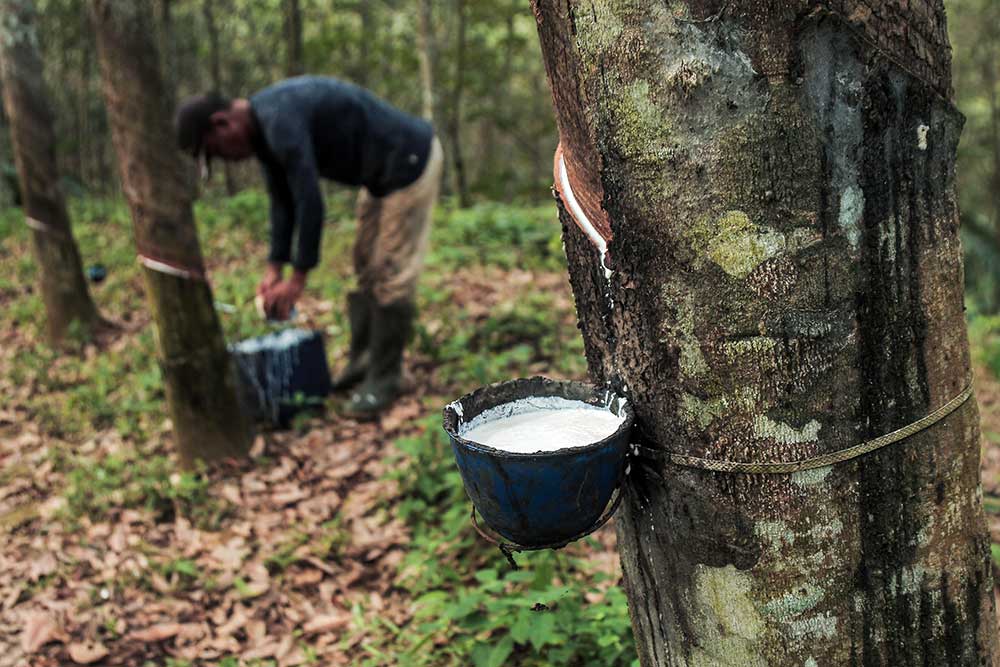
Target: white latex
point(541, 425)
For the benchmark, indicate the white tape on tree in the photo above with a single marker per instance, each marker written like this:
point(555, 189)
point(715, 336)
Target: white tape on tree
point(581, 218)
point(170, 270)
point(39, 226)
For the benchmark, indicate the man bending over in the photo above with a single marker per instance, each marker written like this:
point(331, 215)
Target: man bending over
point(309, 127)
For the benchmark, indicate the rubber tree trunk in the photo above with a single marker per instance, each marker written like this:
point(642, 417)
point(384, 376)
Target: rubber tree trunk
point(787, 281)
point(215, 73)
point(366, 63)
point(294, 64)
point(990, 68)
point(168, 52)
point(455, 119)
point(68, 305)
point(428, 58)
point(198, 372)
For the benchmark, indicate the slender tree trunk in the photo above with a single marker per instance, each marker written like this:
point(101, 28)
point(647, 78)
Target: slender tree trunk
point(87, 175)
point(215, 67)
point(79, 140)
point(294, 64)
point(428, 59)
point(28, 107)
point(168, 52)
point(505, 108)
point(9, 187)
point(198, 371)
point(778, 183)
point(455, 121)
point(990, 79)
point(365, 64)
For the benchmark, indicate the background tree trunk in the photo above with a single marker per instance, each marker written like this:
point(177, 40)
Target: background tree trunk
point(198, 372)
point(428, 59)
point(215, 72)
point(63, 287)
point(455, 120)
point(367, 38)
point(168, 52)
point(990, 78)
point(293, 38)
point(787, 282)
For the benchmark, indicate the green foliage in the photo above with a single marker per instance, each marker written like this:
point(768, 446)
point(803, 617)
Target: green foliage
point(506, 236)
point(11, 220)
point(504, 121)
point(974, 29)
point(96, 488)
point(77, 394)
point(471, 609)
point(523, 335)
point(470, 605)
point(984, 334)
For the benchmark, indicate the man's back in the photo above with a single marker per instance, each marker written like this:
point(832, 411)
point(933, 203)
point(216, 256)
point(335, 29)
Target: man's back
point(356, 138)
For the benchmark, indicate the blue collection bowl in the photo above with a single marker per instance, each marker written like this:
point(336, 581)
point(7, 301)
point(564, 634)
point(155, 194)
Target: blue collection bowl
point(543, 498)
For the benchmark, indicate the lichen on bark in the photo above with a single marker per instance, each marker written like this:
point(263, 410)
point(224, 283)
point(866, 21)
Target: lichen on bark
point(787, 283)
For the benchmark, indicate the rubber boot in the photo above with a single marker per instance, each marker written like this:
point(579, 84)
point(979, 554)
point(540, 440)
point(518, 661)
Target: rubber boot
point(359, 317)
point(392, 326)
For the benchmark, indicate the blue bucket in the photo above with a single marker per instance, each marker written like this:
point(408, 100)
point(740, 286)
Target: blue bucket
point(542, 499)
point(282, 373)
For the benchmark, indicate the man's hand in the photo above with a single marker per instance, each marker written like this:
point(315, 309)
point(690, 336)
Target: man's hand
point(280, 298)
point(272, 276)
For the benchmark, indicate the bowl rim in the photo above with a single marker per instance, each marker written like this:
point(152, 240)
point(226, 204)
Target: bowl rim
point(450, 418)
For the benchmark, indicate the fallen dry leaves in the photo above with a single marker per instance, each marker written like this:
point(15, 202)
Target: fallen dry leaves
point(85, 653)
point(126, 589)
point(39, 629)
point(305, 540)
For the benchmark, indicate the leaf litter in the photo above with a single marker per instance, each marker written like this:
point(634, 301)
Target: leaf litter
point(306, 557)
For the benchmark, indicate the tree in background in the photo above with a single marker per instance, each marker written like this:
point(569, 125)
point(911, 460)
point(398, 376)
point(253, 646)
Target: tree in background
point(778, 188)
point(198, 372)
point(68, 306)
point(294, 64)
point(168, 51)
point(215, 75)
point(373, 43)
point(428, 58)
point(455, 118)
point(975, 30)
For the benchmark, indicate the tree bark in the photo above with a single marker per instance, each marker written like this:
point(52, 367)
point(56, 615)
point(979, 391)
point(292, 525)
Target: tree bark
point(428, 59)
point(506, 110)
point(199, 375)
point(168, 52)
point(777, 179)
point(293, 38)
point(215, 72)
point(990, 79)
point(455, 120)
point(64, 290)
point(367, 38)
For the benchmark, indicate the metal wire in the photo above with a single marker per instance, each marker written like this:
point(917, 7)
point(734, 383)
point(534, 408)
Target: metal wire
point(839, 456)
point(509, 548)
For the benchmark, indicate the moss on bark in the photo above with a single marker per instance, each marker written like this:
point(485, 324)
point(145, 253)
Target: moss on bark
point(779, 181)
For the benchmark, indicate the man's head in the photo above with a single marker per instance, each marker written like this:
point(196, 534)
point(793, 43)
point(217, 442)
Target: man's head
point(211, 125)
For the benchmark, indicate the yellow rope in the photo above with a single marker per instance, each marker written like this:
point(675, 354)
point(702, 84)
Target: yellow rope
point(823, 460)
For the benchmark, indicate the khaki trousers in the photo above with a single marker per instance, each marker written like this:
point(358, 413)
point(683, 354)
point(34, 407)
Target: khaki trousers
point(393, 233)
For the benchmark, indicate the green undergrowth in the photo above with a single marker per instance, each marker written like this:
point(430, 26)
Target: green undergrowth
point(104, 411)
point(984, 344)
point(126, 480)
point(984, 339)
point(471, 607)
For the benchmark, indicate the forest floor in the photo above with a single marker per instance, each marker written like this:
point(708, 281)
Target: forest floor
point(337, 542)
